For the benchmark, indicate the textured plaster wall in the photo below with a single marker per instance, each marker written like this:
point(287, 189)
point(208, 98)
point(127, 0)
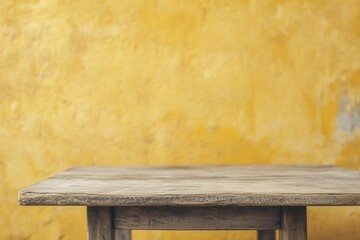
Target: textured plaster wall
point(163, 82)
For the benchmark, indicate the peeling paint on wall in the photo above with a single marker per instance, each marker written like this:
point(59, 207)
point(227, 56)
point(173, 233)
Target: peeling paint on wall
point(348, 119)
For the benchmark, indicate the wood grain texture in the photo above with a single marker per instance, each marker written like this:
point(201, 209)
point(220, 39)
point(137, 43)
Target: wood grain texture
point(294, 224)
point(242, 185)
point(196, 218)
point(266, 235)
point(99, 220)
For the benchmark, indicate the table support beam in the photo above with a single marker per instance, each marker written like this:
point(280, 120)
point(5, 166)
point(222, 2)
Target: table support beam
point(197, 218)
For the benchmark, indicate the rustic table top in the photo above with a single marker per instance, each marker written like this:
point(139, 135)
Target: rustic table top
point(242, 185)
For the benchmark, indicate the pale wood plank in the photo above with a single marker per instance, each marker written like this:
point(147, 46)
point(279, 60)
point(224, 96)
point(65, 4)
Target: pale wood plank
point(99, 220)
point(122, 234)
point(196, 218)
point(265, 235)
point(294, 224)
point(242, 185)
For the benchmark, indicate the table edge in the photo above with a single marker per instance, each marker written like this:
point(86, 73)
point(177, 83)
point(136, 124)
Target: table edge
point(27, 198)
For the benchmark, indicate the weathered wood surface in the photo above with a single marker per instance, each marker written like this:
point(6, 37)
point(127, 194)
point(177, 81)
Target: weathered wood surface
point(197, 218)
point(266, 235)
point(242, 185)
point(99, 220)
point(294, 224)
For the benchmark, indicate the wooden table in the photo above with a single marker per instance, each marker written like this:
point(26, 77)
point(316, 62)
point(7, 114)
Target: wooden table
point(258, 197)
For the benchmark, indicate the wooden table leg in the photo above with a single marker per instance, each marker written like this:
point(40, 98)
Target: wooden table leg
point(99, 220)
point(122, 234)
point(293, 223)
point(266, 235)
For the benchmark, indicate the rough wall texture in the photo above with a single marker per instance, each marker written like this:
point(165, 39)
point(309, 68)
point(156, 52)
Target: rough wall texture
point(174, 82)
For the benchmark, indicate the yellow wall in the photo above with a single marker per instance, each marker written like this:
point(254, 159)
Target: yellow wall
point(87, 82)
